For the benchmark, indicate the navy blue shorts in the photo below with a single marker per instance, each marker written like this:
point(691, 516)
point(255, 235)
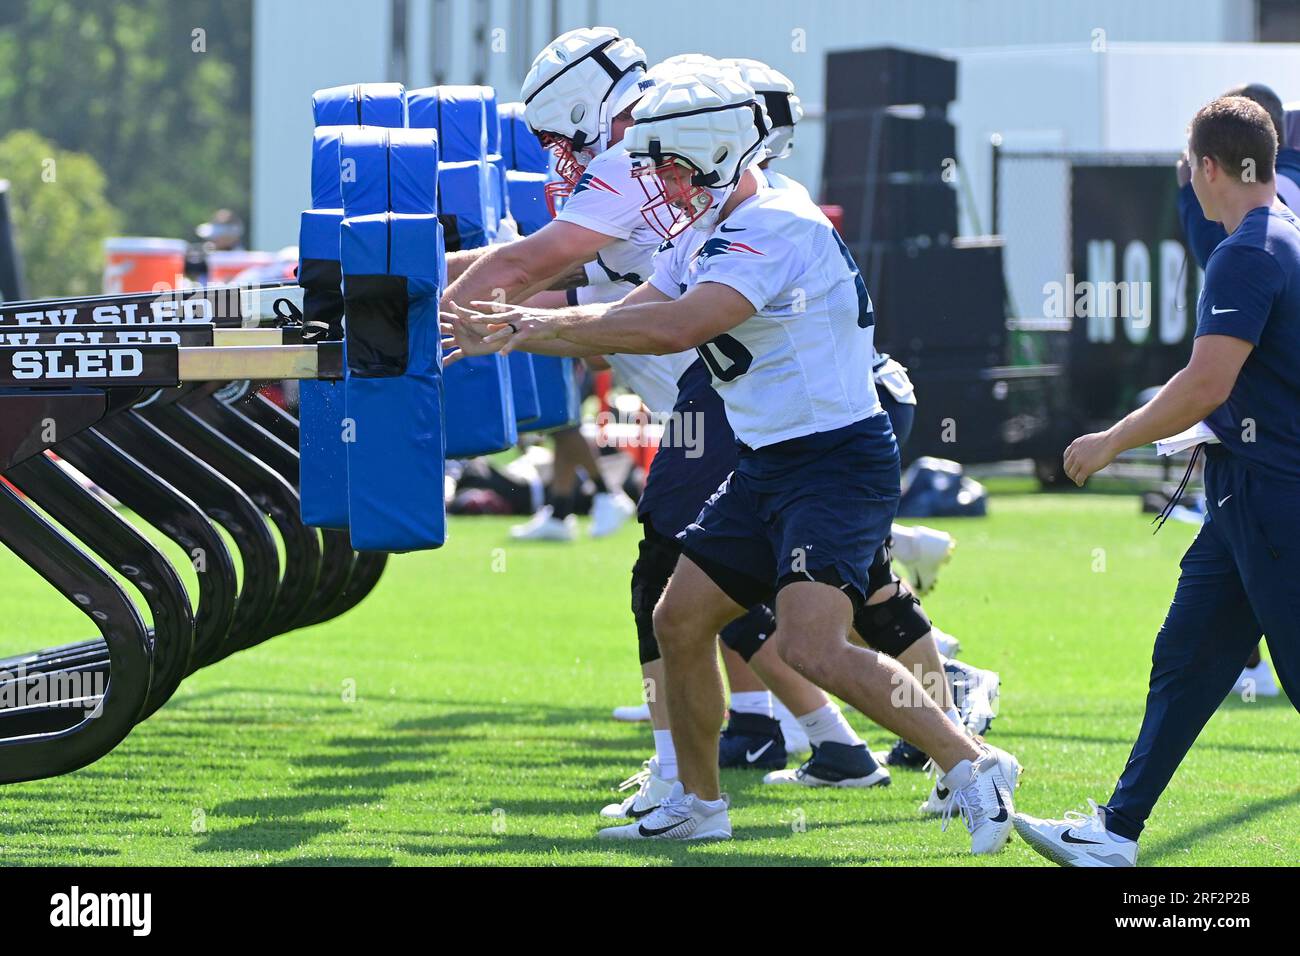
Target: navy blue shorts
point(816, 508)
point(696, 454)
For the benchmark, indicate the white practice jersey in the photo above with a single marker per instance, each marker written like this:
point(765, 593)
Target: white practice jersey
point(801, 363)
point(886, 372)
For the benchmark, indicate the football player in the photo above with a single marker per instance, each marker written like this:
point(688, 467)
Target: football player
point(783, 322)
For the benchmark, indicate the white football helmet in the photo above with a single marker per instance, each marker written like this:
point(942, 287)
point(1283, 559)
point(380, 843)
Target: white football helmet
point(575, 88)
point(691, 139)
point(783, 108)
point(681, 65)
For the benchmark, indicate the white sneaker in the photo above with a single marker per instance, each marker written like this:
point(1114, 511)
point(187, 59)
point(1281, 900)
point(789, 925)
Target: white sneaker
point(1081, 839)
point(633, 714)
point(650, 793)
point(681, 816)
point(939, 802)
point(544, 526)
point(975, 692)
point(610, 510)
point(1257, 681)
point(922, 551)
point(948, 645)
point(985, 801)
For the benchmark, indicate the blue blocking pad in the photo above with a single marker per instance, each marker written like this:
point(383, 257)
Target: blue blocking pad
point(321, 408)
point(528, 200)
point(325, 189)
point(557, 394)
point(464, 196)
point(499, 193)
point(394, 388)
point(480, 407)
point(523, 383)
point(520, 146)
point(413, 171)
point(459, 113)
point(360, 104)
point(492, 117)
point(363, 170)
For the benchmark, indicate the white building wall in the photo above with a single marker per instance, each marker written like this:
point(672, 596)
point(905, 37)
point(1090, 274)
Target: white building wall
point(301, 45)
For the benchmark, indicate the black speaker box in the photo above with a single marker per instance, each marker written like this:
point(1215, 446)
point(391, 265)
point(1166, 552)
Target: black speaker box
point(894, 207)
point(888, 76)
point(937, 299)
point(972, 414)
point(887, 142)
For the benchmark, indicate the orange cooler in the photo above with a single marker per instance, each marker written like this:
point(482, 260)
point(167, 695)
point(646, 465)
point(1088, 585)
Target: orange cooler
point(143, 264)
point(225, 264)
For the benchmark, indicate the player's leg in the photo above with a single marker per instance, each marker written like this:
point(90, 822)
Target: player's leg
point(687, 620)
point(753, 738)
point(1208, 631)
point(813, 620)
point(555, 520)
point(839, 757)
point(656, 559)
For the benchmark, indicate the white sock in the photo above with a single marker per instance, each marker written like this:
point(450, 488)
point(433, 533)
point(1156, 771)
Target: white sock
point(827, 725)
point(752, 702)
point(780, 711)
point(667, 754)
point(955, 716)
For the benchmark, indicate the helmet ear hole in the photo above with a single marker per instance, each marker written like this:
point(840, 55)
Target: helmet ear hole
point(720, 156)
point(577, 113)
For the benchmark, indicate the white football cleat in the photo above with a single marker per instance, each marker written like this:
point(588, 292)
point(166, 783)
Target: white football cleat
point(610, 510)
point(1257, 681)
point(923, 551)
point(635, 714)
point(975, 692)
point(939, 802)
point(651, 791)
point(985, 800)
point(1081, 839)
point(681, 816)
point(948, 645)
point(544, 526)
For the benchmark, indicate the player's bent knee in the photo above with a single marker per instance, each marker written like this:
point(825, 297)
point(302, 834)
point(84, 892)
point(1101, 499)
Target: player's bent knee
point(893, 625)
point(747, 634)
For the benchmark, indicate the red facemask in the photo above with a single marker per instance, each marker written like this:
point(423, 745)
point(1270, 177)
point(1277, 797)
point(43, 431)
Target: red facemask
point(671, 198)
point(567, 166)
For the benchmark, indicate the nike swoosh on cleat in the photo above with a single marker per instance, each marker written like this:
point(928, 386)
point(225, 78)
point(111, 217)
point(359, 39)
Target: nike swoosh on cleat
point(752, 755)
point(636, 814)
point(942, 793)
point(1068, 837)
point(1001, 815)
point(659, 831)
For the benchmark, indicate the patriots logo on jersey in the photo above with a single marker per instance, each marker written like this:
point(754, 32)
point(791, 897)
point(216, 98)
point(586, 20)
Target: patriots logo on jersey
point(717, 246)
point(588, 181)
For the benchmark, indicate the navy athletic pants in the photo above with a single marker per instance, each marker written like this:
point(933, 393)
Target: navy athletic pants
point(1240, 578)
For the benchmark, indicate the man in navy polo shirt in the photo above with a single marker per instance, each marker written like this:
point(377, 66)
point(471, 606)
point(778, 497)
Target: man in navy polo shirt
point(1241, 576)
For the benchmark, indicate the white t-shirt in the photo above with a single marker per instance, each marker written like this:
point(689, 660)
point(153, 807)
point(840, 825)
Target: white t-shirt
point(800, 364)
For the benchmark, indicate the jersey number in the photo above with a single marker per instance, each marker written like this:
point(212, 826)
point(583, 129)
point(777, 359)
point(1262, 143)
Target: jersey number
point(738, 358)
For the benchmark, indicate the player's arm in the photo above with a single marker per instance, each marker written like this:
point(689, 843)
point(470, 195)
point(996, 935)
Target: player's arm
point(1225, 337)
point(1185, 399)
point(645, 322)
point(515, 270)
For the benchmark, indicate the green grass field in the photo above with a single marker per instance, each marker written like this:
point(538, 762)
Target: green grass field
point(480, 732)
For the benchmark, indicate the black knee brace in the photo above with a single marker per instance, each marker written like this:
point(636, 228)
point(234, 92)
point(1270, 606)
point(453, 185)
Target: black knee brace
point(654, 566)
point(892, 626)
point(746, 634)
